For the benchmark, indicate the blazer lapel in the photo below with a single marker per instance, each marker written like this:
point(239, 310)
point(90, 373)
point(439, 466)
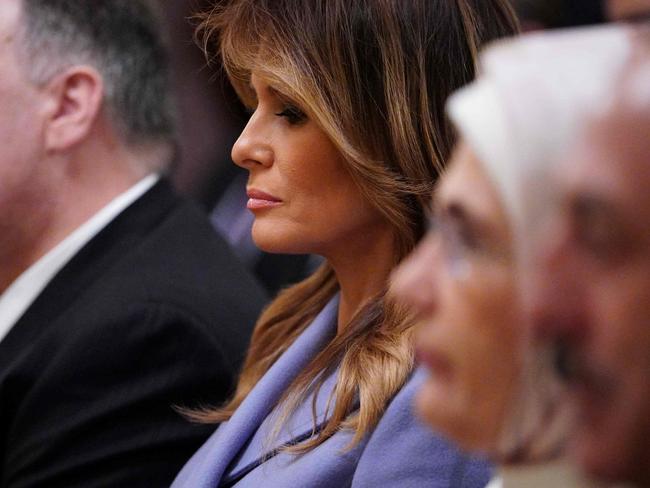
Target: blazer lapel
point(107, 247)
point(301, 426)
point(209, 464)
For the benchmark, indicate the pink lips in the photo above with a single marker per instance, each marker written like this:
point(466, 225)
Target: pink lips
point(258, 200)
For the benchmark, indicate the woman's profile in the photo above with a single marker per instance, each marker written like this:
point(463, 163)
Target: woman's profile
point(346, 138)
point(492, 388)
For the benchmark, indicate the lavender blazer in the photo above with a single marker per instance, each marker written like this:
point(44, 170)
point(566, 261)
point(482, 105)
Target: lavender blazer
point(400, 452)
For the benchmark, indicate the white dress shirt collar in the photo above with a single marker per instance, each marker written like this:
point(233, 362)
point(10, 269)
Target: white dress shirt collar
point(557, 474)
point(24, 290)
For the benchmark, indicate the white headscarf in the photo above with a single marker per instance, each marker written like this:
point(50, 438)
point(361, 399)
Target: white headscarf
point(531, 101)
point(528, 105)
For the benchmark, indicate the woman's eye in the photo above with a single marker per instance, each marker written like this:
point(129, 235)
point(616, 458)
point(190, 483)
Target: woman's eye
point(293, 114)
point(467, 239)
point(457, 237)
point(461, 237)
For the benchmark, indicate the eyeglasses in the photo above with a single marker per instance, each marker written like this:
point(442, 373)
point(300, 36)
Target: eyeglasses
point(463, 247)
point(454, 245)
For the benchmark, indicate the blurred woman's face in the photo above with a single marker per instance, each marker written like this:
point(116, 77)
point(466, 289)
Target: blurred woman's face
point(460, 282)
point(303, 198)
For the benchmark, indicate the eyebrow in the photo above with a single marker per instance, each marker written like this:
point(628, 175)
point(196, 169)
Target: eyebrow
point(268, 86)
point(459, 212)
point(463, 215)
point(273, 90)
point(456, 212)
point(588, 207)
point(284, 98)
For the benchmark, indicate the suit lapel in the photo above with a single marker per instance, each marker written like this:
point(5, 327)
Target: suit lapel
point(126, 231)
point(210, 464)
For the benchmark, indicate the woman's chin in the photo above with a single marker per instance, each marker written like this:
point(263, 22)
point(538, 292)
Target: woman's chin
point(276, 236)
point(434, 404)
point(274, 239)
point(272, 246)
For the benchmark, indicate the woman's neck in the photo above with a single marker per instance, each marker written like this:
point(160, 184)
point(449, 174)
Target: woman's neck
point(362, 269)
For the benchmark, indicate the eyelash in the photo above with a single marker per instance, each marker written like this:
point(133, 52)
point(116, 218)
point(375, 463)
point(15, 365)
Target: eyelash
point(293, 114)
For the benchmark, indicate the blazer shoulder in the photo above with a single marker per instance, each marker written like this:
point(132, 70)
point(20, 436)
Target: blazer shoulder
point(403, 452)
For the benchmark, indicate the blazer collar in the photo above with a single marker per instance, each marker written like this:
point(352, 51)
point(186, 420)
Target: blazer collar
point(126, 231)
point(211, 462)
point(266, 442)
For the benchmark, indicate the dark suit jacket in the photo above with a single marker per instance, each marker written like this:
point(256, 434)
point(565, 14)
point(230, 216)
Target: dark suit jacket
point(154, 312)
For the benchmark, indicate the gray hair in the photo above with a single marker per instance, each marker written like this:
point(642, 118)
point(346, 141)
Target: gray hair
point(119, 38)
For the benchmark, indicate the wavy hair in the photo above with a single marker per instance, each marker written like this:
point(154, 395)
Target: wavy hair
point(374, 75)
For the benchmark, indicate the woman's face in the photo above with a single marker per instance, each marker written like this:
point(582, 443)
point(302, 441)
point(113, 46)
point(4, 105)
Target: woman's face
point(303, 198)
point(460, 283)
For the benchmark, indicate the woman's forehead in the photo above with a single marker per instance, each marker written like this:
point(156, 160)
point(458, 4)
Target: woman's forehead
point(466, 181)
point(467, 187)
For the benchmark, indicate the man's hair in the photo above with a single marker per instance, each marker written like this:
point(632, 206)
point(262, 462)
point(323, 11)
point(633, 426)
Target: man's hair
point(119, 38)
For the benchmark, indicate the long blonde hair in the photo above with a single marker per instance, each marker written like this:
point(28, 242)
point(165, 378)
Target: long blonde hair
point(374, 75)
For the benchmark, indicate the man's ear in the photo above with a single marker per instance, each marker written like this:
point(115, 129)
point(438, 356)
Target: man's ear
point(76, 97)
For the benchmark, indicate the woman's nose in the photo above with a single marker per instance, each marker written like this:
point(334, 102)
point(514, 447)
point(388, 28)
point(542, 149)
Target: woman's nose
point(253, 149)
point(414, 281)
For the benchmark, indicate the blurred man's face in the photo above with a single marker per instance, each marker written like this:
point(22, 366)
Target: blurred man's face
point(623, 10)
point(18, 106)
point(592, 296)
point(21, 131)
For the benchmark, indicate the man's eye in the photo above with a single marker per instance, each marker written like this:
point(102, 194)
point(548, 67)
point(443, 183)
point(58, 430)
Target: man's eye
point(597, 230)
point(599, 236)
point(293, 114)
